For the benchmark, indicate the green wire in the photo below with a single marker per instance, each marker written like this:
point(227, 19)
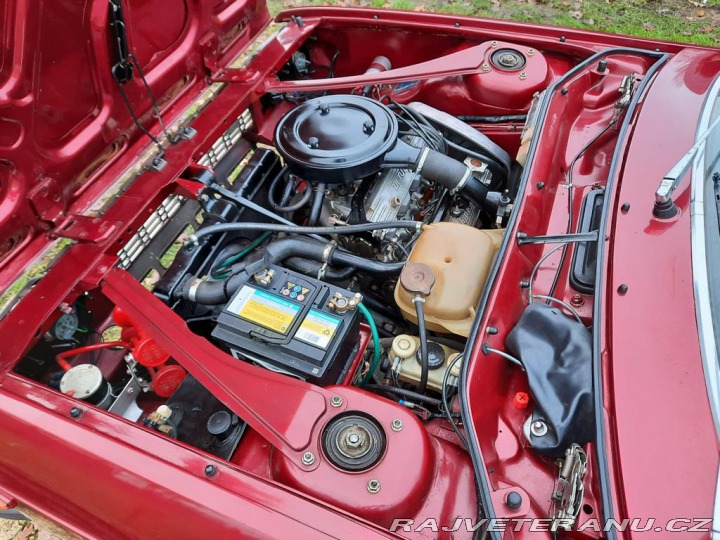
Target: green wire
point(234, 258)
point(376, 341)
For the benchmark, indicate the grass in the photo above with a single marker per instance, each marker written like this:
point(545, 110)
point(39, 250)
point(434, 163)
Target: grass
point(686, 21)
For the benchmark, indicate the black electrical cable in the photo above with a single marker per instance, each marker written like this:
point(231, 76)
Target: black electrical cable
point(477, 155)
point(405, 393)
point(493, 119)
point(446, 405)
point(293, 229)
point(419, 302)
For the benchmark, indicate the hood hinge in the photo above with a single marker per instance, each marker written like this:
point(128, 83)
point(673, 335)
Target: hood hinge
point(86, 229)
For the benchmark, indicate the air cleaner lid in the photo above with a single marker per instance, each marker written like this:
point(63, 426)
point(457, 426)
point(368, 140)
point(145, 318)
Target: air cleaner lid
point(336, 139)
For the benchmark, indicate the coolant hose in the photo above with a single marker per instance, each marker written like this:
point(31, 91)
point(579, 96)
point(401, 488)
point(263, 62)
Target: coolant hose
point(219, 292)
point(294, 246)
point(452, 174)
point(419, 302)
point(315, 269)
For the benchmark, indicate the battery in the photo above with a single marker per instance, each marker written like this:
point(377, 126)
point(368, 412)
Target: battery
point(292, 324)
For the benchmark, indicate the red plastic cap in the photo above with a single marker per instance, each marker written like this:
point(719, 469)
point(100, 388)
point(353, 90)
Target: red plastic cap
point(521, 400)
point(148, 353)
point(168, 379)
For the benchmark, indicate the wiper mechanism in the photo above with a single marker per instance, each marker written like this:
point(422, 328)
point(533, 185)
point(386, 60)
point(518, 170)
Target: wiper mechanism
point(664, 207)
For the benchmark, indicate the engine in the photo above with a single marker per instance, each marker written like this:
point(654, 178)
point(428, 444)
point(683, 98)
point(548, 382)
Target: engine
point(363, 213)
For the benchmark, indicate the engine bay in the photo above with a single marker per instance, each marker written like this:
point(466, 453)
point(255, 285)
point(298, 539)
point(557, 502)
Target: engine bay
point(331, 264)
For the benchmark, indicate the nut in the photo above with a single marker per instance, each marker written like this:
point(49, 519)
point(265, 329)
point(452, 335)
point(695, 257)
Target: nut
point(523, 76)
point(353, 440)
point(397, 424)
point(336, 401)
point(308, 458)
point(373, 486)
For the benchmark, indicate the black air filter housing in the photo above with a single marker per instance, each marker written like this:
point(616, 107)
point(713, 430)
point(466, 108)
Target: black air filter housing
point(336, 139)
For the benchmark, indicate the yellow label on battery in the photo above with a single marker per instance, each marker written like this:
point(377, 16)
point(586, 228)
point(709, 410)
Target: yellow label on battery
point(265, 309)
point(317, 329)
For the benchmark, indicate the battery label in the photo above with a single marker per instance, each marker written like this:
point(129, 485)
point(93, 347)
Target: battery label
point(267, 310)
point(317, 329)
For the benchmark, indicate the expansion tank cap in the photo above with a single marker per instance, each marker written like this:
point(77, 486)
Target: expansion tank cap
point(417, 278)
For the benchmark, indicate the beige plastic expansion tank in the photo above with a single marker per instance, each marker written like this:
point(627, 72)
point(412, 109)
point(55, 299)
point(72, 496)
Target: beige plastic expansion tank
point(460, 257)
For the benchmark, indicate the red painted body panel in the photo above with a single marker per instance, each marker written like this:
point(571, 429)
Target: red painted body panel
point(660, 418)
point(106, 477)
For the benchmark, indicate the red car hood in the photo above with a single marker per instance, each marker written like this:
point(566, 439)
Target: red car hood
point(62, 119)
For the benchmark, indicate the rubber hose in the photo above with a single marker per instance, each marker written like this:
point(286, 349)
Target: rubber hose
point(451, 173)
point(402, 392)
point(219, 292)
point(422, 334)
point(280, 250)
point(317, 204)
point(293, 229)
point(313, 268)
point(304, 199)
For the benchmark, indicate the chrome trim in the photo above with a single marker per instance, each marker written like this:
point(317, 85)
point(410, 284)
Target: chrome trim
point(703, 313)
point(703, 309)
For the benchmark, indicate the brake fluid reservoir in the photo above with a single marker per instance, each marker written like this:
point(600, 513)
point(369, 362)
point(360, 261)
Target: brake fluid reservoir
point(460, 257)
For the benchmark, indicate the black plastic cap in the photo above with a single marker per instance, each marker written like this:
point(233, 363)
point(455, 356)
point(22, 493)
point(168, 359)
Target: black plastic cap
point(513, 500)
point(665, 210)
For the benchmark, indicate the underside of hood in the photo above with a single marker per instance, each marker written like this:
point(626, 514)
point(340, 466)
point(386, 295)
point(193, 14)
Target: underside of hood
point(70, 71)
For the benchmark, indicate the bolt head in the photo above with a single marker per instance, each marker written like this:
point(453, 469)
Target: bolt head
point(308, 458)
point(538, 428)
point(210, 470)
point(75, 412)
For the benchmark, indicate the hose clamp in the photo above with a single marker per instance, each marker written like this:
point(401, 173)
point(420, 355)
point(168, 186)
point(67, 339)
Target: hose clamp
point(462, 182)
point(321, 272)
point(328, 251)
point(421, 160)
point(193, 289)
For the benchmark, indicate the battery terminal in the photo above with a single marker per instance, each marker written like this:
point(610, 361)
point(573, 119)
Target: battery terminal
point(341, 304)
point(264, 277)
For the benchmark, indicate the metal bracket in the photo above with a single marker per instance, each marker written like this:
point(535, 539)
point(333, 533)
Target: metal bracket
point(523, 238)
point(84, 229)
